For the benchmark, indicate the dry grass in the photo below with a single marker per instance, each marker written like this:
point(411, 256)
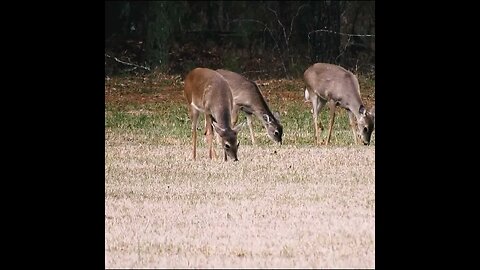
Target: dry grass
point(278, 207)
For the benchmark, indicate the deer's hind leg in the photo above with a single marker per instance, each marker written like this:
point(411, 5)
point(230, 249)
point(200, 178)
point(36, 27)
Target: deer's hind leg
point(332, 106)
point(194, 117)
point(317, 105)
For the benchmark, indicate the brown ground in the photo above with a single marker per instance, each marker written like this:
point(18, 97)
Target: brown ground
point(286, 207)
point(157, 88)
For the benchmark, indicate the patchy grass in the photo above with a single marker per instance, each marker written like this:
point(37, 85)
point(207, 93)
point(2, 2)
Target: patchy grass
point(280, 207)
point(162, 116)
point(171, 125)
point(295, 205)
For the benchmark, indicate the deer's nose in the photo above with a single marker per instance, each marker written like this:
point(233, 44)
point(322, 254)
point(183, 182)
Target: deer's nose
point(236, 159)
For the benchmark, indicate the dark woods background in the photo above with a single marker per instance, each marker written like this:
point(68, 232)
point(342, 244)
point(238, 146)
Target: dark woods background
point(257, 38)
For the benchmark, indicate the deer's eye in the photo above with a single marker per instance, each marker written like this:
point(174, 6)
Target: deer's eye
point(365, 129)
point(227, 146)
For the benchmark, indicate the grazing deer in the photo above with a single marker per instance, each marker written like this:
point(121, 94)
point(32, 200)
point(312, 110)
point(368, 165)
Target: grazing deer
point(248, 98)
point(327, 83)
point(208, 92)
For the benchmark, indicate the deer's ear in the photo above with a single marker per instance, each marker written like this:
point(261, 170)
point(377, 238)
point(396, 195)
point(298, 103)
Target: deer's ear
point(362, 110)
point(218, 129)
point(267, 118)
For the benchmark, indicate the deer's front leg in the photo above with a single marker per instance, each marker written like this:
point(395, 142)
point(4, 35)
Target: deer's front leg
point(249, 122)
point(209, 134)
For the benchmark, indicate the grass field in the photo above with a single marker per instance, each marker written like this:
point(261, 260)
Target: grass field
point(292, 206)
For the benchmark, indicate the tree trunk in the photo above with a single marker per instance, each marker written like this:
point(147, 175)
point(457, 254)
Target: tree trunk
point(158, 31)
point(220, 16)
point(326, 43)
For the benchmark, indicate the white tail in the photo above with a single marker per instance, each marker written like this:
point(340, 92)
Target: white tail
point(327, 83)
point(207, 91)
point(248, 98)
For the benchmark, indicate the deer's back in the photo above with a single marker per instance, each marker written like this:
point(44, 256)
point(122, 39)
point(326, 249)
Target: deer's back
point(245, 92)
point(332, 82)
point(209, 91)
point(205, 86)
point(195, 83)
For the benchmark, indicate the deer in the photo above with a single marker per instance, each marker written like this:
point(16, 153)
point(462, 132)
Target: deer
point(248, 98)
point(206, 91)
point(334, 85)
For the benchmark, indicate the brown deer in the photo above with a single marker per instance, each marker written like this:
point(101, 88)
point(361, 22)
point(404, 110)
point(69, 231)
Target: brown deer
point(248, 98)
point(208, 92)
point(327, 83)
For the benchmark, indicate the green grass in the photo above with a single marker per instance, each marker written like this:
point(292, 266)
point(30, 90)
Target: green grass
point(158, 124)
point(169, 124)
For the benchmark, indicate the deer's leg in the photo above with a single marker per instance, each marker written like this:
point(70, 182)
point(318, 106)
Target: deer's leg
point(209, 134)
point(315, 118)
point(353, 121)
point(217, 136)
point(194, 116)
point(249, 122)
point(317, 105)
point(331, 106)
point(218, 139)
point(235, 111)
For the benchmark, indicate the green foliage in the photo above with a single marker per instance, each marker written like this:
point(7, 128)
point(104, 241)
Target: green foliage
point(232, 63)
point(271, 35)
point(161, 19)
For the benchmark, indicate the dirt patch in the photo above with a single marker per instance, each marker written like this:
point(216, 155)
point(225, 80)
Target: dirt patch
point(153, 88)
point(157, 88)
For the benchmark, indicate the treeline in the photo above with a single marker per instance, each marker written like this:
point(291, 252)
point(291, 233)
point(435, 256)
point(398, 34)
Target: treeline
point(263, 38)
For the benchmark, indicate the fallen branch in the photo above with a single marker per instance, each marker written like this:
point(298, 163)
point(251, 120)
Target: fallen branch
point(342, 34)
point(126, 63)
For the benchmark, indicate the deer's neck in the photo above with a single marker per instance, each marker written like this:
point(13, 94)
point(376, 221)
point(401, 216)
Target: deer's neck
point(261, 108)
point(222, 117)
point(354, 107)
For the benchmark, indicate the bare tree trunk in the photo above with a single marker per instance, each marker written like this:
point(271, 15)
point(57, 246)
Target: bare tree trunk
point(315, 40)
point(326, 44)
point(220, 16)
point(158, 29)
point(285, 22)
